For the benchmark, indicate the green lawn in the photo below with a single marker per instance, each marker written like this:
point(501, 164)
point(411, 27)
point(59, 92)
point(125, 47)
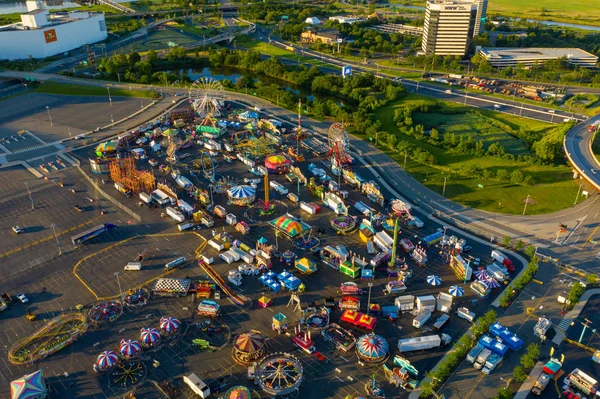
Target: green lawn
point(265, 48)
point(159, 40)
point(575, 11)
point(81, 90)
point(554, 187)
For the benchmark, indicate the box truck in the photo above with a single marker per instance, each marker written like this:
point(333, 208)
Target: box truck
point(503, 260)
point(426, 302)
point(491, 363)
point(422, 343)
point(473, 353)
point(422, 318)
point(198, 386)
point(146, 198)
point(482, 358)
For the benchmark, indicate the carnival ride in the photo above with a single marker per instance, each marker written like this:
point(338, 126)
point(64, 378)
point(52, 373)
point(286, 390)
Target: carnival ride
point(127, 374)
point(279, 374)
point(204, 94)
point(255, 147)
point(372, 348)
point(55, 335)
point(338, 145)
point(176, 143)
point(105, 361)
point(207, 165)
point(249, 347)
point(241, 195)
point(124, 172)
point(105, 311)
point(216, 278)
point(149, 337)
point(169, 325)
point(343, 224)
point(129, 348)
point(374, 389)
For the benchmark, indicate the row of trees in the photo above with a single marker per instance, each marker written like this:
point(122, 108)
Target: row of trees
point(520, 283)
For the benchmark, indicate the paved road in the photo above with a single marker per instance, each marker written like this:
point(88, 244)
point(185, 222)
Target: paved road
point(578, 147)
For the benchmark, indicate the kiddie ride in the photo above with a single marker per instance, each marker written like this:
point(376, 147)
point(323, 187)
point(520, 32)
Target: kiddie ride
point(374, 389)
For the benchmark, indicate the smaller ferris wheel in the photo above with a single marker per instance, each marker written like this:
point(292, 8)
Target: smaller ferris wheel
point(203, 95)
point(338, 145)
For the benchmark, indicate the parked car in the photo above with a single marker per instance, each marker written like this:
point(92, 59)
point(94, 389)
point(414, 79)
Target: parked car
point(17, 230)
point(22, 298)
point(79, 209)
point(467, 248)
point(153, 162)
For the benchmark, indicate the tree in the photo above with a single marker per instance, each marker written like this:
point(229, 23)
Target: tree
point(519, 374)
point(502, 175)
point(519, 245)
point(516, 177)
point(434, 135)
point(533, 350)
point(575, 293)
point(504, 393)
point(506, 241)
point(530, 251)
point(152, 56)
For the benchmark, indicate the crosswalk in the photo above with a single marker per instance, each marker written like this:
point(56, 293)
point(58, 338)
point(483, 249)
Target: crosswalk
point(565, 323)
point(41, 156)
point(37, 147)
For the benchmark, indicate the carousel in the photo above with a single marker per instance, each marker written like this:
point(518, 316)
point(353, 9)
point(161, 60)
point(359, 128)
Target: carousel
point(105, 311)
point(241, 195)
point(277, 164)
point(372, 348)
point(249, 347)
point(149, 337)
point(129, 348)
point(106, 360)
point(279, 374)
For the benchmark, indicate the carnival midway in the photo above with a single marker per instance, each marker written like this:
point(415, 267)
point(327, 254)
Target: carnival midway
point(308, 267)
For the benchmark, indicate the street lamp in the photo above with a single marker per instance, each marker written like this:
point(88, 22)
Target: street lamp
point(526, 202)
point(119, 283)
point(109, 97)
point(577, 197)
point(507, 381)
point(49, 116)
point(30, 198)
point(56, 238)
point(111, 119)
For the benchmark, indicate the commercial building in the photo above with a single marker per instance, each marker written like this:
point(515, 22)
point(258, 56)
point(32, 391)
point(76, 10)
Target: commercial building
point(399, 28)
point(448, 27)
point(503, 57)
point(480, 18)
point(346, 19)
point(41, 35)
point(326, 36)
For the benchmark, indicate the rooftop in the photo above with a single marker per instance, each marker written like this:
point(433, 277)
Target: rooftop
point(535, 52)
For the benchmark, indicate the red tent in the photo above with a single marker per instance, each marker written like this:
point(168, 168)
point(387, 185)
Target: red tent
point(350, 316)
point(365, 321)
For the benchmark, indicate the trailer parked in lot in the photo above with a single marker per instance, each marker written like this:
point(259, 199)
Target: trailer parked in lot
point(422, 343)
point(491, 363)
point(473, 353)
point(482, 358)
point(176, 215)
point(439, 323)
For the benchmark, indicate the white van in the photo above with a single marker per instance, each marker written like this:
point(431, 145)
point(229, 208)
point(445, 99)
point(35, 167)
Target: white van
point(133, 266)
point(184, 226)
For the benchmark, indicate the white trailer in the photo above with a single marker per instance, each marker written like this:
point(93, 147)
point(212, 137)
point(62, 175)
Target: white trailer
point(439, 323)
point(466, 314)
point(219, 246)
point(198, 386)
point(444, 302)
point(426, 302)
point(496, 272)
point(160, 197)
point(176, 215)
point(405, 303)
point(421, 343)
point(184, 226)
point(473, 353)
point(227, 257)
point(308, 208)
point(482, 358)
point(146, 198)
point(491, 363)
point(422, 318)
point(383, 241)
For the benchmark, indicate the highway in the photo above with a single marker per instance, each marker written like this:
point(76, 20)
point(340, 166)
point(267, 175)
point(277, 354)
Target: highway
point(578, 146)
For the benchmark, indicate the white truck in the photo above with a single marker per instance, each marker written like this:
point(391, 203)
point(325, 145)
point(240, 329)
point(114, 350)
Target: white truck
point(422, 318)
point(473, 353)
point(482, 358)
point(422, 343)
point(582, 382)
point(426, 302)
point(198, 386)
point(405, 303)
point(175, 214)
point(280, 188)
point(444, 302)
point(491, 363)
point(383, 241)
point(184, 226)
point(503, 260)
point(160, 197)
point(495, 271)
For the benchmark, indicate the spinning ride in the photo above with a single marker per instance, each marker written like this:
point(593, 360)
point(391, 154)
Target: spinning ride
point(127, 374)
point(52, 337)
point(30, 386)
point(241, 195)
point(277, 164)
point(105, 311)
point(169, 325)
point(338, 145)
point(238, 392)
point(208, 166)
point(149, 336)
point(279, 374)
point(343, 224)
point(106, 360)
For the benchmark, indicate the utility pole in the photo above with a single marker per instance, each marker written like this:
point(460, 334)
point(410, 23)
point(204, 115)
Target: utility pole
point(369, 298)
point(49, 116)
point(56, 238)
point(526, 202)
point(585, 326)
point(30, 197)
point(444, 189)
point(405, 156)
point(119, 283)
point(109, 97)
point(577, 197)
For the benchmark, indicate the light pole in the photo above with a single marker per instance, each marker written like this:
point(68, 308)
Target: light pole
point(109, 97)
point(369, 298)
point(507, 381)
point(444, 189)
point(49, 116)
point(119, 283)
point(577, 197)
point(141, 104)
point(30, 197)
point(56, 238)
point(526, 202)
point(111, 119)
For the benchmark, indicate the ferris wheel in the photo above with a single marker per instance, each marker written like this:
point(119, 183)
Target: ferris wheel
point(338, 145)
point(203, 94)
point(279, 374)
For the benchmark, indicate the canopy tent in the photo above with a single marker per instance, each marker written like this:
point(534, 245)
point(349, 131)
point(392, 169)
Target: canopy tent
point(242, 195)
point(149, 336)
point(129, 347)
point(289, 226)
point(292, 283)
point(284, 275)
point(169, 325)
point(457, 291)
point(372, 347)
point(491, 282)
point(434, 280)
point(306, 265)
point(106, 147)
point(277, 163)
point(482, 274)
point(246, 115)
point(106, 360)
point(30, 386)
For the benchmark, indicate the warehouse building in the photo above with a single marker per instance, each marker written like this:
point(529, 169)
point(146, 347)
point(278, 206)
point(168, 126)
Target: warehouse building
point(503, 57)
point(41, 35)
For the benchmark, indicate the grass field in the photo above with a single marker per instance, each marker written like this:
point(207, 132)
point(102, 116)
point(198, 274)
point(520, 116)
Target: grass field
point(81, 90)
point(160, 40)
point(582, 12)
point(554, 188)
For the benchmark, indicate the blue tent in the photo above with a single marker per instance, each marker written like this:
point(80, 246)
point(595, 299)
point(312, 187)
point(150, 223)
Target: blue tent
point(293, 283)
